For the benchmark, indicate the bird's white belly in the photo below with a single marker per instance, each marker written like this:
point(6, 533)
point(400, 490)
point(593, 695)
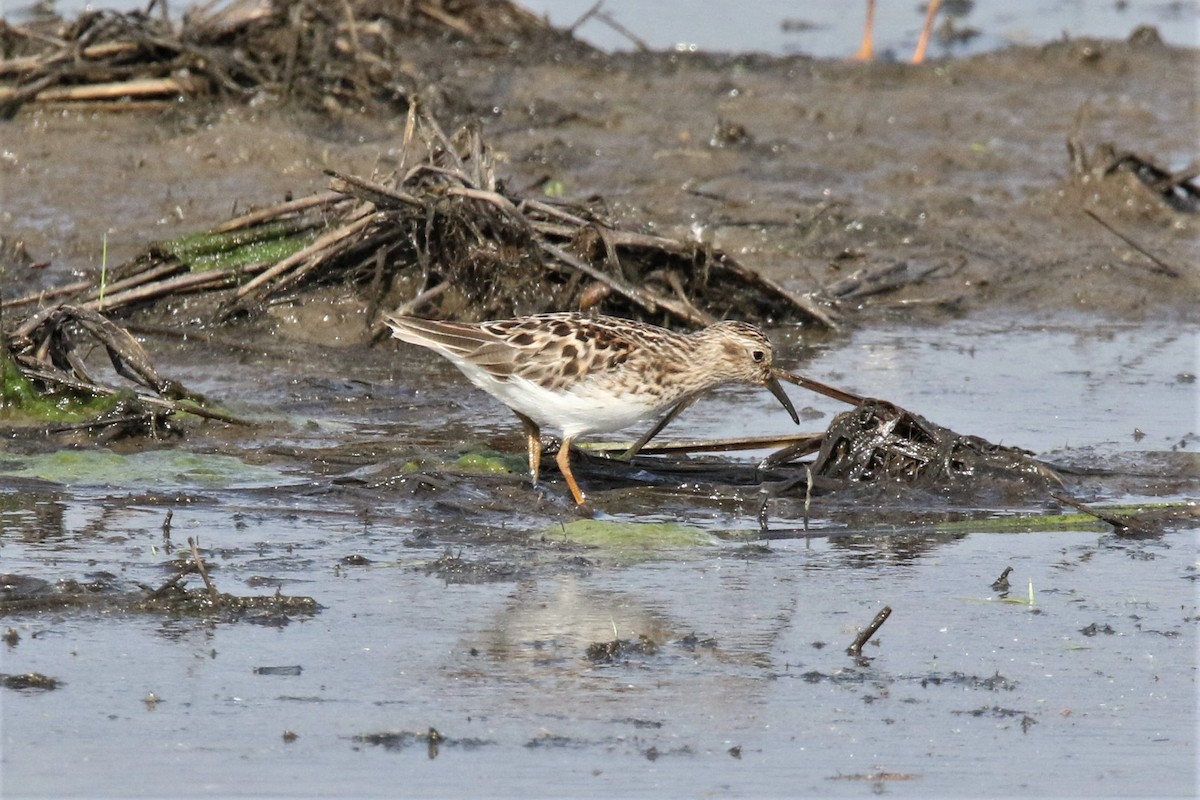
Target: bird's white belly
point(574, 413)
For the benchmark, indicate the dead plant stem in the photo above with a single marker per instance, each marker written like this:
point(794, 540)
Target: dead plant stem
point(212, 590)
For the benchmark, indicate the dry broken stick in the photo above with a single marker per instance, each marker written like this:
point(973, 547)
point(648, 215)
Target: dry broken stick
point(685, 447)
point(685, 309)
point(171, 582)
point(1162, 267)
point(1123, 524)
point(199, 562)
point(821, 388)
point(864, 636)
point(647, 300)
point(306, 259)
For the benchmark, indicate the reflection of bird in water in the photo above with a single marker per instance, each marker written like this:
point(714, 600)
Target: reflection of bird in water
point(866, 50)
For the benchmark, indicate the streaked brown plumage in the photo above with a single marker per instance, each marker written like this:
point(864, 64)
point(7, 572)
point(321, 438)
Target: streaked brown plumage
point(584, 375)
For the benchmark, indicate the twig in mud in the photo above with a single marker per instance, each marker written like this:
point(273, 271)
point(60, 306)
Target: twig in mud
point(382, 196)
point(1163, 267)
point(804, 302)
point(550, 210)
point(855, 648)
point(166, 526)
point(700, 446)
point(802, 446)
point(642, 297)
point(808, 486)
point(675, 411)
point(199, 562)
point(1122, 523)
point(37, 371)
point(1001, 584)
point(318, 248)
point(632, 239)
point(172, 582)
point(106, 292)
point(448, 20)
point(591, 12)
point(277, 212)
point(495, 198)
point(764, 522)
point(423, 297)
point(105, 421)
point(608, 20)
point(871, 281)
point(47, 294)
point(45, 348)
point(180, 284)
point(44, 92)
point(821, 388)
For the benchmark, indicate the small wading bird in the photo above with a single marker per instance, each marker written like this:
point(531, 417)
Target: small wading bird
point(583, 375)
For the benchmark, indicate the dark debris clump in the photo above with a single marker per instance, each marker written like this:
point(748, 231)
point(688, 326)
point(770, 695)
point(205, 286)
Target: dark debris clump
point(619, 650)
point(878, 442)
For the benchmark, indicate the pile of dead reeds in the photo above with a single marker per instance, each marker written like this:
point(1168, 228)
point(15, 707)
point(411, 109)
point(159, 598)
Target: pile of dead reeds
point(445, 237)
point(319, 54)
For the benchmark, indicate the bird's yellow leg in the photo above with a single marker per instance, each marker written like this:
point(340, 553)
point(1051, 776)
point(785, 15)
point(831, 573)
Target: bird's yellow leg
point(866, 51)
point(563, 459)
point(533, 443)
point(926, 29)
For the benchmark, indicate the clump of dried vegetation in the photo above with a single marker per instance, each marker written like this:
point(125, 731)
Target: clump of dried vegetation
point(332, 56)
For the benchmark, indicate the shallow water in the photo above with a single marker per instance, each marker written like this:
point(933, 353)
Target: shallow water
point(1088, 689)
point(960, 688)
point(833, 30)
point(1038, 386)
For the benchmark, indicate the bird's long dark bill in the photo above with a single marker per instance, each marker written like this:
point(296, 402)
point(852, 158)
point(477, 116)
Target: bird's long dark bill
point(781, 396)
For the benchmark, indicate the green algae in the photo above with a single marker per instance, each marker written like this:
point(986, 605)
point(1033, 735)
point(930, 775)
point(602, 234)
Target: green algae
point(488, 462)
point(627, 535)
point(22, 403)
point(269, 242)
point(1050, 523)
point(475, 462)
point(155, 468)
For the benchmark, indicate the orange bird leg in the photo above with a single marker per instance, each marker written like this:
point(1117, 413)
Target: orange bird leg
point(533, 443)
point(866, 50)
point(926, 29)
point(563, 459)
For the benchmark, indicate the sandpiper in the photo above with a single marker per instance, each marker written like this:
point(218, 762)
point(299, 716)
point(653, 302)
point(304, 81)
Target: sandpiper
point(583, 375)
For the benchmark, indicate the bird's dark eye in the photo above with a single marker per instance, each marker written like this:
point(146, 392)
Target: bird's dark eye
point(758, 356)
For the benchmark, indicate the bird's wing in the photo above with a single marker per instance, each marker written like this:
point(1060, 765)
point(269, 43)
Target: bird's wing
point(459, 342)
point(558, 351)
point(550, 350)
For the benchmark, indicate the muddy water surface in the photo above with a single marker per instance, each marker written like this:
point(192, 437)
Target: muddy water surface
point(440, 615)
point(1088, 689)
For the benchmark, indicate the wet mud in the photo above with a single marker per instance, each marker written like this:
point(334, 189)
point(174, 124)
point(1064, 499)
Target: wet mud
point(386, 601)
